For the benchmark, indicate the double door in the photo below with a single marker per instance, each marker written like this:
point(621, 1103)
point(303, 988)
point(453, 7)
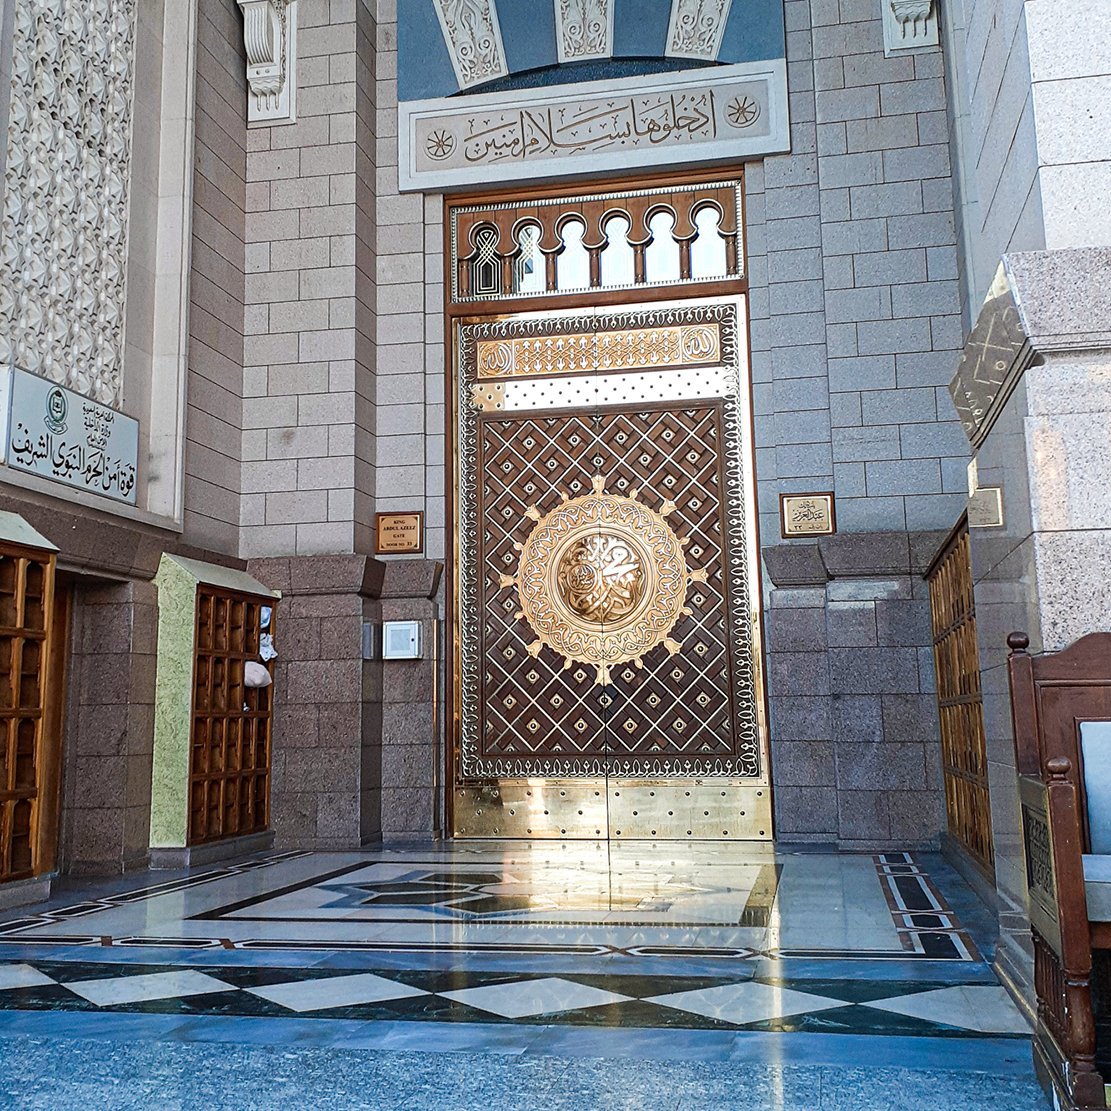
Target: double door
point(607, 663)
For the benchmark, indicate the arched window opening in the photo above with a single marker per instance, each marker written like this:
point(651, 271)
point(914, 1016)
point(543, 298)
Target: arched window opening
point(618, 257)
point(573, 262)
point(661, 259)
point(708, 253)
point(486, 266)
point(530, 269)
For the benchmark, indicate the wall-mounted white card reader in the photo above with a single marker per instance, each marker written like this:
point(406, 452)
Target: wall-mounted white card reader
point(401, 640)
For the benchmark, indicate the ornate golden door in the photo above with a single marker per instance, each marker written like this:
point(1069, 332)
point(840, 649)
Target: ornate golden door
point(606, 599)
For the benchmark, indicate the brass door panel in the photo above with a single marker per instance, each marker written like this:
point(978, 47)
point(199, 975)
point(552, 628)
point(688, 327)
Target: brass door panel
point(607, 668)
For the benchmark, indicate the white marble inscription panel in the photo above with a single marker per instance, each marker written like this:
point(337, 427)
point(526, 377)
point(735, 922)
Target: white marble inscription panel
point(68, 438)
point(729, 112)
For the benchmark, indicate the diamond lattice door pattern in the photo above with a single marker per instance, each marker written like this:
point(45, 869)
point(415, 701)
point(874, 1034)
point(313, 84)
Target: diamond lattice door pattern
point(608, 675)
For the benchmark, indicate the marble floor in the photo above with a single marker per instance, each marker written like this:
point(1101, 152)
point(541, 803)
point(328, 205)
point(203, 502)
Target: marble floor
point(476, 974)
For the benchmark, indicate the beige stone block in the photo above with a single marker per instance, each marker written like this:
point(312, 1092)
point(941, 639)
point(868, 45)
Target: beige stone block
point(341, 504)
point(302, 192)
point(340, 440)
point(252, 510)
point(341, 312)
point(313, 42)
point(296, 507)
point(338, 158)
point(342, 189)
point(325, 474)
point(300, 315)
point(257, 258)
point(264, 226)
point(331, 281)
point(401, 328)
point(257, 541)
point(268, 476)
point(274, 285)
point(320, 346)
point(325, 409)
point(254, 381)
point(299, 254)
point(312, 71)
point(273, 165)
point(254, 443)
point(298, 378)
point(324, 538)
point(329, 220)
point(258, 196)
point(256, 320)
point(342, 250)
point(297, 443)
point(341, 128)
point(271, 349)
point(310, 132)
point(407, 209)
point(269, 412)
point(341, 376)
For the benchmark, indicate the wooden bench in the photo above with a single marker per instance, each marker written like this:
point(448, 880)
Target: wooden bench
point(1062, 717)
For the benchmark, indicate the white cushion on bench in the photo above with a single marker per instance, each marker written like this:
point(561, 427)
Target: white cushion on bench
point(1095, 751)
point(1097, 887)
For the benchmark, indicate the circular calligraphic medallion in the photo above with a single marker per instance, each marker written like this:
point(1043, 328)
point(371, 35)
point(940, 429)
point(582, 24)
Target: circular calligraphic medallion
point(602, 580)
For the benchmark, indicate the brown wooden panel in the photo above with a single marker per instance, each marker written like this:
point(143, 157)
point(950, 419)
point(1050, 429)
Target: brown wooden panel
point(960, 705)
point(28, 758)
point(229, 783)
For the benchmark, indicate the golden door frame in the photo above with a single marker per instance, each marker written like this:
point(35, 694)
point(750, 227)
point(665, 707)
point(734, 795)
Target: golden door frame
point(729, 807)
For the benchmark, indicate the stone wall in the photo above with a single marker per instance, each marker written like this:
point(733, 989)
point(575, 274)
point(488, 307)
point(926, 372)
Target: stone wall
point(356, 743)
point(309, 363)
point(1043, 570)
point(855, 752)
point(855, 301)
point(215, 392)
point(110, 728)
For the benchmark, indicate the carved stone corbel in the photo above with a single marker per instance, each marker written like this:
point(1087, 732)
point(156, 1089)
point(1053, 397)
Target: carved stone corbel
point(270, 38)
point(909, 25)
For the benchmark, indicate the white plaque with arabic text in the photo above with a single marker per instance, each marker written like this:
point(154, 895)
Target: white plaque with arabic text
point(710, 113)
point(69, 438)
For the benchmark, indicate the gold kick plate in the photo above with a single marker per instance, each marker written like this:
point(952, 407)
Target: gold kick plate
point(697, 809)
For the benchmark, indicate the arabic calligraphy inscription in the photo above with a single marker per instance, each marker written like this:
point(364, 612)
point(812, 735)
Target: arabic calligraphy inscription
point(64, 436)
point(807, 515)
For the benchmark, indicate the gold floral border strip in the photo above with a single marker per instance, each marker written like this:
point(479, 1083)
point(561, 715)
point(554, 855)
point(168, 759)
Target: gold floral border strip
point(586, 352)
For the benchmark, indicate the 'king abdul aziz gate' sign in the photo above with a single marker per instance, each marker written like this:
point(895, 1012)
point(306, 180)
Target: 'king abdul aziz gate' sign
point(521, 89)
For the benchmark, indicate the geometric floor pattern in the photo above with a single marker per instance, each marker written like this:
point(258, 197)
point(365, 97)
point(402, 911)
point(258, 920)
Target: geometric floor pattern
point(659, 1001)
point(411, 976)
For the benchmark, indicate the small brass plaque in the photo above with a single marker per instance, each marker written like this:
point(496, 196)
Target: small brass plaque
point(399, 533)
point(807, 515)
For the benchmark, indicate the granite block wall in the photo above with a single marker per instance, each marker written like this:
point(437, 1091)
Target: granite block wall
point(109, 729)
point(357, 743)
point(855, 752)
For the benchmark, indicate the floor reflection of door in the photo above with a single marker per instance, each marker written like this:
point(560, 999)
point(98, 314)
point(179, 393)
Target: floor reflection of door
point(608, 662)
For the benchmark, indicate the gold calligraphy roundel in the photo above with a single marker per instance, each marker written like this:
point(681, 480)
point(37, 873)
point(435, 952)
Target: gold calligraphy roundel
point(602, 580)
